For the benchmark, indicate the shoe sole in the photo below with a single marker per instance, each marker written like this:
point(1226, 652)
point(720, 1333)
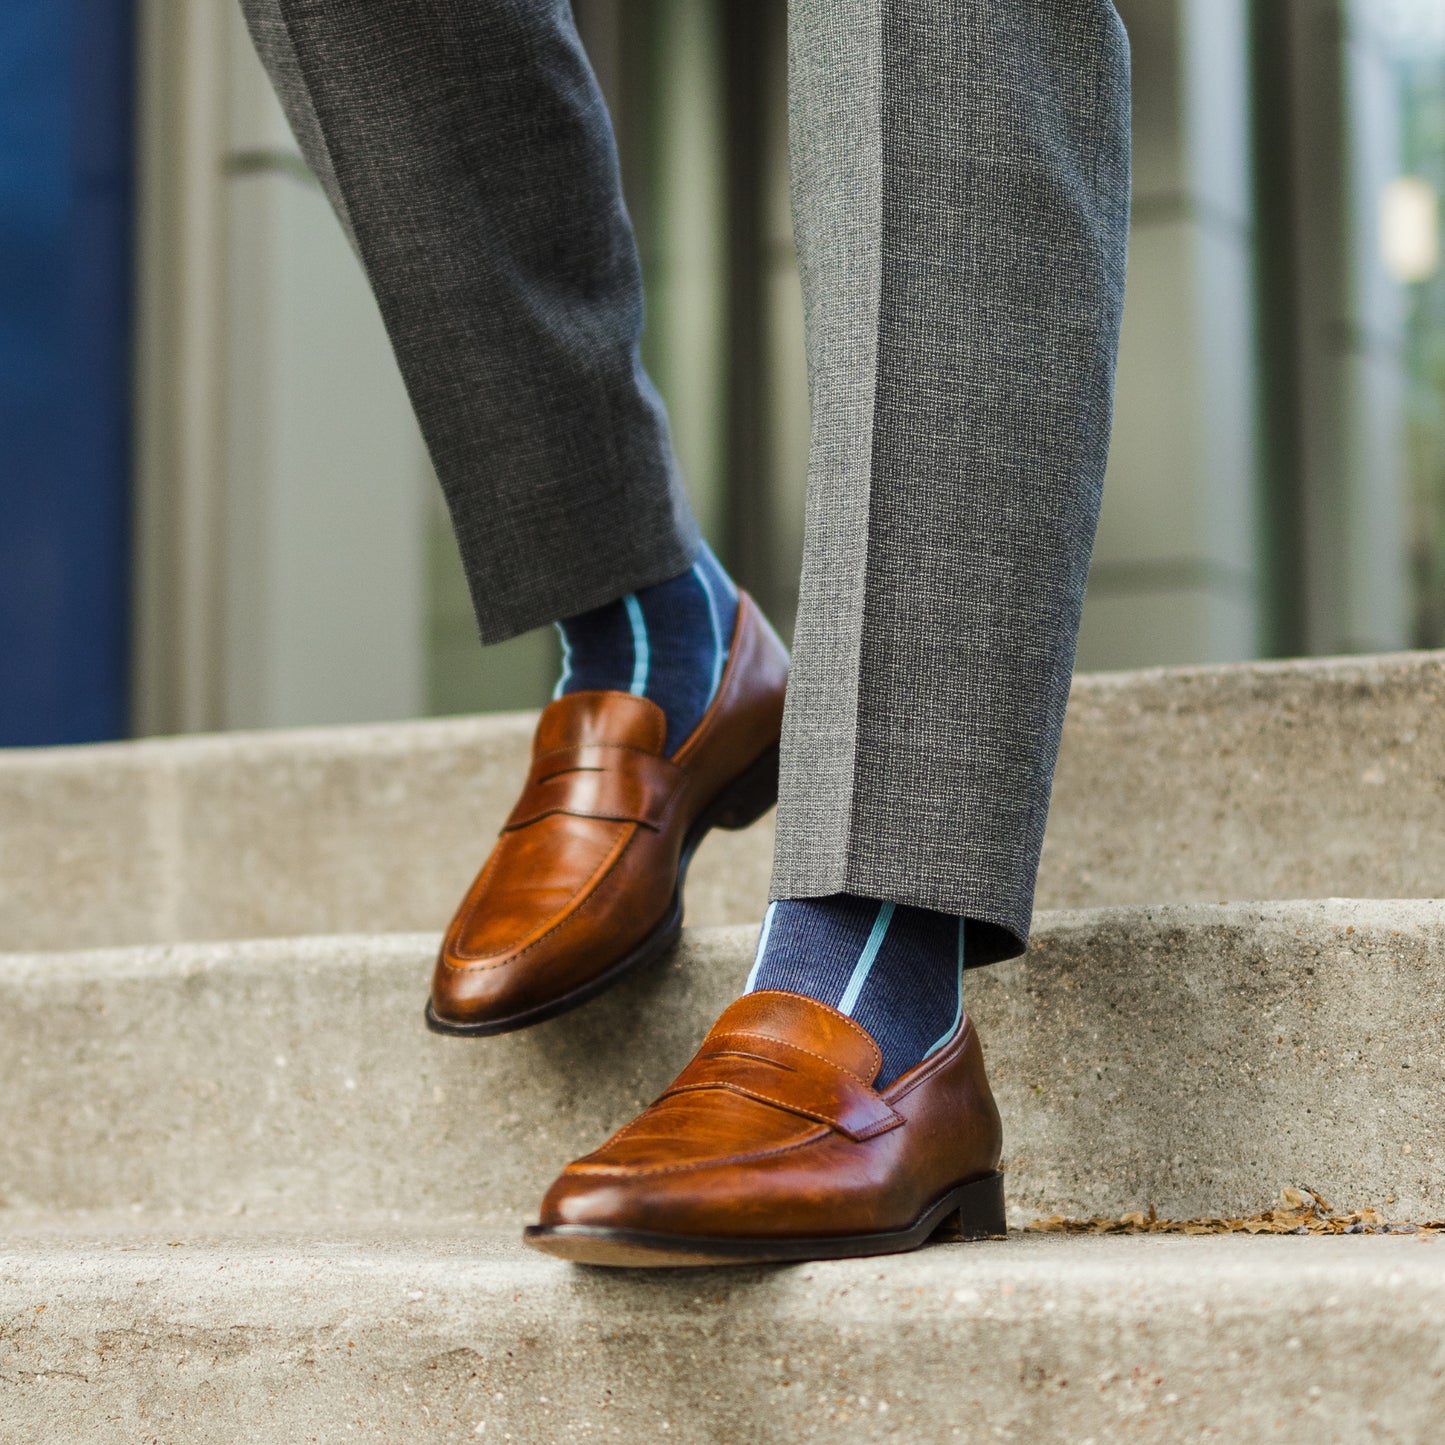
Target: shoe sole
point(968, 1211)
point(740, 804)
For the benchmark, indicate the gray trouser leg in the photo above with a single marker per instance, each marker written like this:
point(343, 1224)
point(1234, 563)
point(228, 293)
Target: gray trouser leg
point(468, 152)
point(961, 182)
point(961, 178)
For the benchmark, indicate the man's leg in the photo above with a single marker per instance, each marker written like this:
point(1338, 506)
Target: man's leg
point(467, 150)
point(963, 335)
point(961, 191)
point(963, 244)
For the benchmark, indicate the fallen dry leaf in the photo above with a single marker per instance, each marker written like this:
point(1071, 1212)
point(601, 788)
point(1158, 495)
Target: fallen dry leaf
point(1297, 1211)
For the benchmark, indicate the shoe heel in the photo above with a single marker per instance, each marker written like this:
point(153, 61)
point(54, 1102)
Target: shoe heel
point(751, 793)
point(977, 1212)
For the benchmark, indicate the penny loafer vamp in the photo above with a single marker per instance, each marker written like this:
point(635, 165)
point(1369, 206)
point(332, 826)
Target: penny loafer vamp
point(774, 1136)
point(585, 880)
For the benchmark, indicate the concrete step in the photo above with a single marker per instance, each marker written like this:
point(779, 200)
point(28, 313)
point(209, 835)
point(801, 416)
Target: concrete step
point(194, 1338)
point(1193, 1057)
point(252, 835)
point(1283, 780)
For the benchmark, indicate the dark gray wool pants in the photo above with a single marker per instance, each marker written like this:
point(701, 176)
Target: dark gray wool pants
point(960, 204)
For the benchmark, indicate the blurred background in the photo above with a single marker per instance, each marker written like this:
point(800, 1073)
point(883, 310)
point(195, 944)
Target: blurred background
point(216, 512)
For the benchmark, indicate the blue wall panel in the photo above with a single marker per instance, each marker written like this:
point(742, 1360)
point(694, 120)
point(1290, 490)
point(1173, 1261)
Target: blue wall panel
point(65, 306)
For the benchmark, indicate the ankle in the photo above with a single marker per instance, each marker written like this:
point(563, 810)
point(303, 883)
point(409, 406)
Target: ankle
point(668, 642)
point(895, 970)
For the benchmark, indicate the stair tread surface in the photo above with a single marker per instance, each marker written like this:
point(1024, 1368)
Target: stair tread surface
point(206, 1336)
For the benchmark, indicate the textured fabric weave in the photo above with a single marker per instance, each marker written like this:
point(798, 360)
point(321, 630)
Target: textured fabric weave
point(960, 203)
point(960, 174)
point(467, 149)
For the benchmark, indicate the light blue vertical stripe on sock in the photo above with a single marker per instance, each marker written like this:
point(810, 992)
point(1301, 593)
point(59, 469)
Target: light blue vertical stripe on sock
point(717, 637)
point(641, 653)
point(864, 966)
point(762, 945)
point(958, 1012)
point(566, 664)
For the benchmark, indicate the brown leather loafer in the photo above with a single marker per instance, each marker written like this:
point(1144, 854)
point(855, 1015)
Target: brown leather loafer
point(773, 1145)
point(586, 879)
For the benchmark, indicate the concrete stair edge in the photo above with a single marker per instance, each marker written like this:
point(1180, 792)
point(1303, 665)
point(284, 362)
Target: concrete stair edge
point(189, 749)
point(446, 730)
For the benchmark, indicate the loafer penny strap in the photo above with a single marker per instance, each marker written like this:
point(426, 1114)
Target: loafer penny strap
point(791, 1078)
point(598, 780)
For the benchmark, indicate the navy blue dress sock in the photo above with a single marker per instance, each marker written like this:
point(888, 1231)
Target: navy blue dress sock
point(897, 971)
point(668, 643)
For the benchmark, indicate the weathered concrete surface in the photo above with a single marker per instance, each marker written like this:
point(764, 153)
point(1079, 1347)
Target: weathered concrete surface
point(197, 1340)
point(251, 835)
point(1197, 1058)
point(1201, 1057)
point(289, 1077)
point(1313, 779)
point(1281, 780)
